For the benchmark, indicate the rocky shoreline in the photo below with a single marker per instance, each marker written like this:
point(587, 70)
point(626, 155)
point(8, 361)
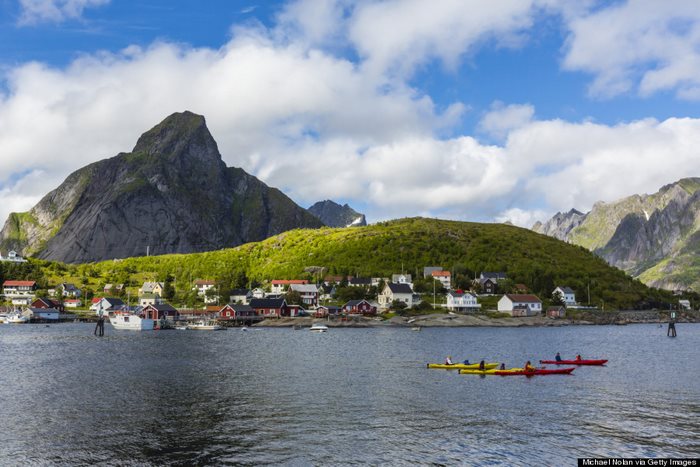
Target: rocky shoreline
point(458, 320)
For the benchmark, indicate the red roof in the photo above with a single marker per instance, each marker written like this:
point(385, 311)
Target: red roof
point(71, 300)
point(288, 282)
point(96, 299)
point(19, 284)
point(441, 273)
point(523, 298)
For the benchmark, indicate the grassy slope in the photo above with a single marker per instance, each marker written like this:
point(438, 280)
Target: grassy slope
point(536, 260)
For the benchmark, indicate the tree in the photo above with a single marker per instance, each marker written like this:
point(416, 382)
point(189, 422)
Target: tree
point(345, 294)
point(557, 299)
point(398, 305)
point(292, 297)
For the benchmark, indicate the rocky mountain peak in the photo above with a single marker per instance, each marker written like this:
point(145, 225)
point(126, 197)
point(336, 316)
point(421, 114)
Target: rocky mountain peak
point(182, 134)
point(334, 215)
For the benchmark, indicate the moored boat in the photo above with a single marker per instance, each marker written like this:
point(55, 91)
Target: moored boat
point(316, 327)
point(204, 326)
point(461, 366)
point(16, 318)
point(574, 362)
point(127, 321)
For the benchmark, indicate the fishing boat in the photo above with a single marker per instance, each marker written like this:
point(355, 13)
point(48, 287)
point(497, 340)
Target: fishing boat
point(128, 321)
point(204, 325)
point(16, 318)
point(316, 327)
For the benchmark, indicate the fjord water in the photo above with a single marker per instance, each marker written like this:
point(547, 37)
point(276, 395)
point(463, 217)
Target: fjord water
point(347, 396)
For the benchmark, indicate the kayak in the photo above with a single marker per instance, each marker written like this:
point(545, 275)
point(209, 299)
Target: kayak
point(575, 362)
point(537, 371)
point(461, 366)
point(486, 372)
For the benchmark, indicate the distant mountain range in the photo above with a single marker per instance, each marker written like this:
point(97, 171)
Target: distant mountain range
point(171, 194)
point(334, 215)
point(653, 237)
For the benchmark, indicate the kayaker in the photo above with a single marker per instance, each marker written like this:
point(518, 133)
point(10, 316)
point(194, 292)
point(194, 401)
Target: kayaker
point(558, 357)
point(578, 357)
point(448, 360)
point(466, 361)
point(503, 366)
point(528, 366)
point(482, 365)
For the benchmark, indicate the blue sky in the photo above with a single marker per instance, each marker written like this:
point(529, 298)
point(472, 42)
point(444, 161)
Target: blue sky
point(467, 110)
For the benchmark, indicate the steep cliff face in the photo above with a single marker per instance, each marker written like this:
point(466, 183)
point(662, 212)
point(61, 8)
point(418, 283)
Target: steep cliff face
point(171, 194)
point(654, 237)
point(334, 215)
point(561, 224)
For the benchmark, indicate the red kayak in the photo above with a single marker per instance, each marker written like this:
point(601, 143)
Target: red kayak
point(537, 371)
point(575, 362)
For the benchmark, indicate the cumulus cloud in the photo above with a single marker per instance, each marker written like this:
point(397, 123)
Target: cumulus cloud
point(396, 36)
point(502, 119)
point(54, 11)
point(642, 46)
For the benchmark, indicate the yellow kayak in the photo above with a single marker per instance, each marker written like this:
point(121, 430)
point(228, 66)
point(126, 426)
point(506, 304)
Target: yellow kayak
point(461, 366)
point(491, 371)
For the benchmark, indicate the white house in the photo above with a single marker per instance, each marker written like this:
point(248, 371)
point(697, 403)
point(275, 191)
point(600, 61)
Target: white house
point(567, 294)
point(20, 292)
point(402, 279)
point(520, 305)
point(444, 277)
point(155, 288)
point(308, 292)
point(392, 291)
point(278, 286)
point(241, 296)
point(462, 301)
point(258, 293)
point(108, 304)
point(202, 287)
point(12, 257)
point(70, 290)
point(72, 303)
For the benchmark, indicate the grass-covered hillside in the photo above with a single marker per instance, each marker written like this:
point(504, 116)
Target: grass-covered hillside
point(538, 261)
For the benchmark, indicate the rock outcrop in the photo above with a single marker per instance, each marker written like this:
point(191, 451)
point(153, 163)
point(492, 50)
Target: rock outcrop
point(334, 215)
point(654, 237)
point(171, 194)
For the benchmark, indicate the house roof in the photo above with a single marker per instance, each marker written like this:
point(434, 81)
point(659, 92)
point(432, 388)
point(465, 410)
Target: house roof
point(149, 286)
point(72, 300)
point(161, 307)
point(68, 286)
point(441, 273)
point(114, 302)
point(48, 302)
point(399, 288)
point(523, 298)
point(566, 290)
point(289, 282)
point(239, 308)
point(18, 283)
point(459, 294)
point(360, 281)
point(493, 275)
point(355, 302)
point(267, 302)
point(304, 288)
point(329, 307)
point(395, 277)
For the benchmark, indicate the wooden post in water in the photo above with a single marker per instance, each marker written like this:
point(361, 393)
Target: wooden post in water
point(671, 332)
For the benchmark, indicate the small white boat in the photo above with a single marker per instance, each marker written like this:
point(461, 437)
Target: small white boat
point(415, 328)
point(131, 322)
point(318, 328)
point(16, 318)
point(204, 326)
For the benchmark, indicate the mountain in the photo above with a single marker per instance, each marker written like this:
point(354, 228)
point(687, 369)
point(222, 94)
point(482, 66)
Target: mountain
point(334, 215)
point(653, 237)
point(171, 194)
point(378, 250)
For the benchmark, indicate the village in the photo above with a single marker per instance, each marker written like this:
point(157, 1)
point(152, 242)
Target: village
point(342, 298)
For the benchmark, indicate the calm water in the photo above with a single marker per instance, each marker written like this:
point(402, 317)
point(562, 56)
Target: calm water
point(347, 396)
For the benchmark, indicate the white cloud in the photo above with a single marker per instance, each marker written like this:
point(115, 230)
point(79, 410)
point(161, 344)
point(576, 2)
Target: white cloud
point(395, 36)
point(645, 46)
point(54, 11)
point(502, 119)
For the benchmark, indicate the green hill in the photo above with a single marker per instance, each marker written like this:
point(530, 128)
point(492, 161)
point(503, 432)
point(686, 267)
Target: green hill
point(538, 261)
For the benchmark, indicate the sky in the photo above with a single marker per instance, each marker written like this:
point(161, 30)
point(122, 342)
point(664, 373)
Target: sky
point(459, 109)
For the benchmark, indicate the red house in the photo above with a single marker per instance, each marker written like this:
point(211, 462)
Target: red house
point(160, 311)
point(46, 303)
point(236, 311)
point(270, 307)
point(359, 307)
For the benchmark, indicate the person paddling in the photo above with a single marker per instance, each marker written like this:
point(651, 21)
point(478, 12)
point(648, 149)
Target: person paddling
point(503, 366)
point(482, 365)
point(466, 361)
point(578, 357)
point(529, 367)
point(448, 360)
point(558, 357)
